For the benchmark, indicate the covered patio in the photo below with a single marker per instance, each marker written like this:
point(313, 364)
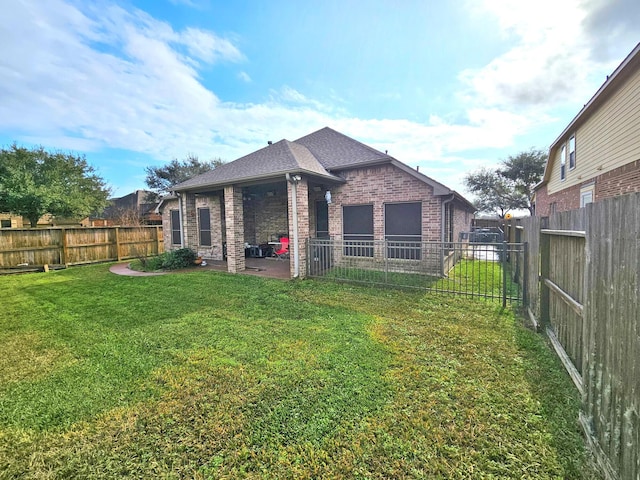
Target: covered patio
point(259, 267)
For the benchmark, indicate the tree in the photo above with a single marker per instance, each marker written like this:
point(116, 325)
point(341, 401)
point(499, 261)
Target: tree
point(525, 170)
point(161, 179)
point(34, 182)
point(494, 193)
point(509, 187)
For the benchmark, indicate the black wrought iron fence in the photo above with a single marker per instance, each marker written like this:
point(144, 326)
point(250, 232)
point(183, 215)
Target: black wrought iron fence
point(487, 270)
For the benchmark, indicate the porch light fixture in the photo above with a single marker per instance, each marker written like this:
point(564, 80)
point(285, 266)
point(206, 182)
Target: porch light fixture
point(327, 196)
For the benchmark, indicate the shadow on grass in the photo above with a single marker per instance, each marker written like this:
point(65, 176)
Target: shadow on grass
point(560, 401)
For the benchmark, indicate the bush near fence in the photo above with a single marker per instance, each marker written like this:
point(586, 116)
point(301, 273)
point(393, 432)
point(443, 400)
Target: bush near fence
point(75, 246)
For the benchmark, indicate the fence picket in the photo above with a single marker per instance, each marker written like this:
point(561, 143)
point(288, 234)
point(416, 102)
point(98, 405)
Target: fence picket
point(75, 246)
point(592, 255)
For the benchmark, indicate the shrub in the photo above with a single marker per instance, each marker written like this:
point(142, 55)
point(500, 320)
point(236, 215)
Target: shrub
point(181, 258)
point(154, 263)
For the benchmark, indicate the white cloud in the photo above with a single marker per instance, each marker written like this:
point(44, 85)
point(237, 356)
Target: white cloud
point(553, 58)
point(188, 3)
point(87, 78)
point(244, 76)
point(208, 46)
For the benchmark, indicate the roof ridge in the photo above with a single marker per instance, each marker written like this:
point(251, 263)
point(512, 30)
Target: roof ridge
point(311, 162)
point(346, 137)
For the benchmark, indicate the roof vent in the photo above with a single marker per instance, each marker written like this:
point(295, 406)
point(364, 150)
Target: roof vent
point(269, 142)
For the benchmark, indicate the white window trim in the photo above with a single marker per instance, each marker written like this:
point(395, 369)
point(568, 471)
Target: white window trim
point(587, 190)
point(575, 156)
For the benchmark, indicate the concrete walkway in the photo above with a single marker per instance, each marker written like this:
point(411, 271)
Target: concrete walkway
point(123, 269)
point(260, 267)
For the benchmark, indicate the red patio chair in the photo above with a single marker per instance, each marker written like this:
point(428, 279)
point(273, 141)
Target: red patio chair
point(282, 252)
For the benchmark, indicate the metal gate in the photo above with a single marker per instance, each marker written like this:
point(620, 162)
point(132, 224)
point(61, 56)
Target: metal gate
point(495, 271)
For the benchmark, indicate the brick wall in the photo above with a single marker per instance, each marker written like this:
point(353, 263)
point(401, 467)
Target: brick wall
point(302, 200)
point(461, 222)
point(625, 179)
point(191, 231)
point(380, 185)
point(189, 220)
point(265, 218)
point(214, 252)
point(167, 206)
point(234, 217)
point(567, 199)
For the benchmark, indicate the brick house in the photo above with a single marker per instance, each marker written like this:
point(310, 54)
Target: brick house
point(597, 156)
point(323, 185)
point(132, 209)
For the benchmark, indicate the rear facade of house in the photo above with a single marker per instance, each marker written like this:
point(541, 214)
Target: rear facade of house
point(324, 185)
point(597, 156)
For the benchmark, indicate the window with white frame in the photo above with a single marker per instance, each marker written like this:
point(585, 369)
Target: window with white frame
point(563, 162)
point(586, 195)
point(572, 152)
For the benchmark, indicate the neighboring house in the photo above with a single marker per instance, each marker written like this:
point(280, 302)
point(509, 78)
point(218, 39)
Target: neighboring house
point(132, 209)
point(323, 185)
point(597, 156)
point(8, 220)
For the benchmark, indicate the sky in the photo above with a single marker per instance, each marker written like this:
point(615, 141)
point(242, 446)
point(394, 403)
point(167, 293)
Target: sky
point(449, 86)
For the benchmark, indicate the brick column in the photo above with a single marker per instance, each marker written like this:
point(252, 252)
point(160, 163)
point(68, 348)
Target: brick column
point(303, 226)
point(216, 228)
point(189, 221)
point(235, 228)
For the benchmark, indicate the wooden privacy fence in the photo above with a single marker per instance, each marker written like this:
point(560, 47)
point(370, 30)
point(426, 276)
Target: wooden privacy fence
point(588, 263)
point(75, 246)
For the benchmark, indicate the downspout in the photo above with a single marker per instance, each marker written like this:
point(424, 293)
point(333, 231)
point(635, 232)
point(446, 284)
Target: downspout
point(442, 226)
point(179, 195)
point(294, 212)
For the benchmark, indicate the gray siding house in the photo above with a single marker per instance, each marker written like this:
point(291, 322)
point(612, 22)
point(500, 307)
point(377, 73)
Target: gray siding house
point(323, 185)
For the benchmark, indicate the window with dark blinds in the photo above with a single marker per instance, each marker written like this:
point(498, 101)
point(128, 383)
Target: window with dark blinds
point(204, 224)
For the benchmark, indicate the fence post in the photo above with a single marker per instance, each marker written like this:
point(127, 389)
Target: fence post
point(545, 253)
point(504, 274)
point(386, 261)
point(118, 244)
point(525, 274)
point(158, 252)
point(65, 252)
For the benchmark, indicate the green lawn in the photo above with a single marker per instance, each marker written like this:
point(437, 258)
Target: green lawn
point(478, 277)
point(209, 375)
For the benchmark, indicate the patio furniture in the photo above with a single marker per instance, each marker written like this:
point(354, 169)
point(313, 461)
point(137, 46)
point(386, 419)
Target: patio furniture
point(282, 252)
point(254, 251)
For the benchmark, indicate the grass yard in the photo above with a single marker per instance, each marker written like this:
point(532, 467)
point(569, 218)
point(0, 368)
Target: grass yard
point(479, 277)
point(209, 375)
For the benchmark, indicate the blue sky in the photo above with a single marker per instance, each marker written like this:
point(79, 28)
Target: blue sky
point(447, 86)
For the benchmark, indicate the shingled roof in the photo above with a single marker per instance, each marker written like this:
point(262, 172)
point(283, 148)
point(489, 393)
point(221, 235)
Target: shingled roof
point(335, 150)
point(318, 154)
